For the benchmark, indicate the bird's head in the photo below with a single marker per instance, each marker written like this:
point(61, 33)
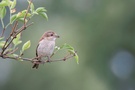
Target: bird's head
point(49, 35)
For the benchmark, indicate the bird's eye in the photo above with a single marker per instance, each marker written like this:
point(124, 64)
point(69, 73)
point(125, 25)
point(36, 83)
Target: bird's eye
point(51, 34)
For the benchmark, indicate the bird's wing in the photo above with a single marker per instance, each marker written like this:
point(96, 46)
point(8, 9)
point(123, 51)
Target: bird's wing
point(36, 50)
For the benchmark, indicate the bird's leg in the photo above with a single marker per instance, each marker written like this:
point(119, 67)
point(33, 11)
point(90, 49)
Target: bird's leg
point(48, 59)
point(37, 61)
point(39, 57)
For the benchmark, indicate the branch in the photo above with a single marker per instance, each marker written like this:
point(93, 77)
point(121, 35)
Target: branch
point(11, 34)
point(27, 13)
point(3, 31)
point(34, 60)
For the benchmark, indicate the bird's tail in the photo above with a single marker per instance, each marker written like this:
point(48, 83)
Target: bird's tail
point(35, 66)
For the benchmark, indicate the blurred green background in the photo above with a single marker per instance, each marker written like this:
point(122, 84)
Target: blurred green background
point(103, 33)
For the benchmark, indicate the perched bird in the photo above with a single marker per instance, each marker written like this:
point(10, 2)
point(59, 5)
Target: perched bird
point(45, 47)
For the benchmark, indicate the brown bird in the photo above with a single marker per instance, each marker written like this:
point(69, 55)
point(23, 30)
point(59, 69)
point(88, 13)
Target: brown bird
point(45, 47)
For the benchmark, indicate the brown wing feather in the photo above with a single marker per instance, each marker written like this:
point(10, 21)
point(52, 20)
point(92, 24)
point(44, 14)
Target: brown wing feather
point(36, 65)
point(36, 50)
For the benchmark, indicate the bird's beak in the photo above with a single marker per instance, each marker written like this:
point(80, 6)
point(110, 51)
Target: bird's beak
point(57, 36)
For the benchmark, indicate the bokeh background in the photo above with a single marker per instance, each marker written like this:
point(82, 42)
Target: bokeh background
point(103, 33)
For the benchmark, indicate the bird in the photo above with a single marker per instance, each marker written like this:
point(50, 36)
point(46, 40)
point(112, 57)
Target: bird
point(45, 47)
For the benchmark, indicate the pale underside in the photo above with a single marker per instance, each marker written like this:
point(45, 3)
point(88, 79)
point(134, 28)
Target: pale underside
point(45, 48)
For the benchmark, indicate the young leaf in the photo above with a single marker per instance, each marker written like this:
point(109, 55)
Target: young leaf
point(17, 43)
point(77, 58)
point(43, 14)
point(3, 3)
point(67, 47)
point(26, 45)
point(35, 13)
point(13, 55)
point(41, 9)
point(13, 18)
point(22, 20)
point(22, 14)
point(1, 38)
point(17, 40)
point(32, 7)
point(71, 51)
point(2, 43)
point(13, 4)
point(2, 12)
point(8, 2)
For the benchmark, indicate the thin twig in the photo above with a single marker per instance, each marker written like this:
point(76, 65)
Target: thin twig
point(3, 31)
point(6, 45)
point(27, 13)
point(17, 34)
point(12, 32)
point(13, 51)
point(42, 62)
point(21, 29)
point(2, 23)
point(15, 27)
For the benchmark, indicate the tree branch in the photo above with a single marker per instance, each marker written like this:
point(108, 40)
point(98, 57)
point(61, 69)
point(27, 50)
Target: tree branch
point(27, 13)
point(34, 60)
point(11, 34)
point(3, 31)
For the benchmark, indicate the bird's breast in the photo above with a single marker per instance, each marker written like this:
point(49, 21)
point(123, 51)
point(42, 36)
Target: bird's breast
point(45, 48)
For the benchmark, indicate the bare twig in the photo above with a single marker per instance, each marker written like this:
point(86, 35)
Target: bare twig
point(33, 60)
point(27, 13)
point(13, 51)
point(7, 45)
point(15, 27)
point(17, 34)
point(12, 32)
point(3, 31)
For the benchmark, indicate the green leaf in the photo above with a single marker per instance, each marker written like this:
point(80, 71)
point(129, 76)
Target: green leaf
point(13, 18)
point(8, 2)
point(1, 38)
point(71, 51)
point(44, 15)
point(22, 19)
point(67, 47)
point(77, 58)
point(13, 55)
point(2, 12)
point(2, 43)
point(22, 14)
point(26, 45)
point(17, 40)
point(32, 7)
point(13, 4)
point(3, 4)
point(35, 12)
point(41, 9)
